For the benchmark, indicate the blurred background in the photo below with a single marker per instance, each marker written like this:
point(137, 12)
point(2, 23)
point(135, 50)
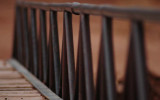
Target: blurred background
point(7, 17)
point(121, 30)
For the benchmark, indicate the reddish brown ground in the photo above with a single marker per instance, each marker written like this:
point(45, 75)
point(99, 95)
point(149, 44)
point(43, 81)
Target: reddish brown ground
point(121, 30)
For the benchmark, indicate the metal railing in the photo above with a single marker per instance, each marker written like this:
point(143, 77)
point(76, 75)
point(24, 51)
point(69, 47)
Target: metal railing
point(43, 59)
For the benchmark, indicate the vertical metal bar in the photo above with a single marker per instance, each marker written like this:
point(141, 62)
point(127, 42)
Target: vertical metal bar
point(52, 77)
point(22, 34)
point(130, 81)
point(33, 43)
point(140, 64)
point(43, 40)
point(54, 54)
point(76, 84)
point(102, 76)
point(25, 37)
point(80, 69)
point(69, 56)
point(64, 64)
point(99, 93)
point(106, 79)
point(19, 35)
point(87, 56)
point(108, 58)
point(15, 53)
point(70, 52)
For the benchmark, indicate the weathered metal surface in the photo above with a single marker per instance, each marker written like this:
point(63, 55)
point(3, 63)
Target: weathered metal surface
point(106, 10)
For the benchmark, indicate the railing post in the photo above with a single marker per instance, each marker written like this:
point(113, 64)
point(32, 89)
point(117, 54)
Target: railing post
point(140, 61)
point(106, 83)
point(33, 43)
point(136, 86)
point(80, 90)
point(19, 34)
point(15, 53)
point(44, 51)
point(87, 56)
point(68, 71)
point(25, 37)
point(130, 80)
point(54, 59)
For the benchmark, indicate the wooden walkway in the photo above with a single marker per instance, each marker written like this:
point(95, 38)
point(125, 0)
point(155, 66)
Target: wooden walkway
point(13, 86)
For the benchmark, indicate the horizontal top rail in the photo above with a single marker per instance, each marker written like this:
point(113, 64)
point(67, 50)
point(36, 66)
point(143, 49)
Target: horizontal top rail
point(92, 9)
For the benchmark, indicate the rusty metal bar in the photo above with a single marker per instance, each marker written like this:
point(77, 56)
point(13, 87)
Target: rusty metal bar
point(14, 52)
point(44, 51)
point(108, 58)
point(107, 63)
point(18, 34)
point(65, 82)
point(136, 86)
point(69, 57)
point(140, 62)
point(70, 52)
point(81, 88)
point(33, 43)
point(99, 89)
point(130, 80)
point(25, 36)
point(54, 81)
point(105, 88)
point(15, 48)
point(87, 56)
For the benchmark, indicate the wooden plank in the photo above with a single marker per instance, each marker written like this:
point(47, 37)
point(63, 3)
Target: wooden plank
point(13, 81)
point(6, 68)
point(3, 64)
point(30, 93)
point(9, 74)
point(16, 89)
point(21, 92)
point(22, 98)
point(13, 86)
point(16, 86)
point(34, 81)
point(19, 95)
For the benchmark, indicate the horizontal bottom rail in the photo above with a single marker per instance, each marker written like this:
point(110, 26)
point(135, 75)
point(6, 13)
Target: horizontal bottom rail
point(34, 81)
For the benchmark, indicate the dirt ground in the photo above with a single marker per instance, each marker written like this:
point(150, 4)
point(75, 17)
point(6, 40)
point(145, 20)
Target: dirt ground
point(121, 32)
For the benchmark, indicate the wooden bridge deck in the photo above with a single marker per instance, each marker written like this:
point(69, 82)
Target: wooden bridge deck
point(13, 85)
